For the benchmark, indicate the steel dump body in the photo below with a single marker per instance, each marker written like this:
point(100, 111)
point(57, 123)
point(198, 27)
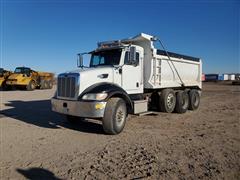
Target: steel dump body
point(163, 74)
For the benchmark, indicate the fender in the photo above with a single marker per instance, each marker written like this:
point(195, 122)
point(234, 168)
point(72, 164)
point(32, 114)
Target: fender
point(111, 89)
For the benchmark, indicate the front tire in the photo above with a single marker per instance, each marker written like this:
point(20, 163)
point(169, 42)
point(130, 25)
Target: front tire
point(167, 100)
point(43, 84)
point(194, 99)
point(115, 116)
point(31, 86)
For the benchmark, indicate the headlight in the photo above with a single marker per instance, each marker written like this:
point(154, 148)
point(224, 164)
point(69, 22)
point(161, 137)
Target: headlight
point(98, 96)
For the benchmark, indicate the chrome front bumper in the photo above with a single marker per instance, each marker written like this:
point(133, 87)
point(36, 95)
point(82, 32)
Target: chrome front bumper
point(79, 108)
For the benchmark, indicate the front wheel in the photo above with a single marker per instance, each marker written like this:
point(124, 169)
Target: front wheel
point(31, 86)
point(115, 116)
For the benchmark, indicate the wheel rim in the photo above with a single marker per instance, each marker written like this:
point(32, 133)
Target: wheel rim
point(120, 116)
point(170, 100)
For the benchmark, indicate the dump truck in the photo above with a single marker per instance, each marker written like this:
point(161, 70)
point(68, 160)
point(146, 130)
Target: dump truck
point(4, 74)
point(128, 76)
point(25, 77)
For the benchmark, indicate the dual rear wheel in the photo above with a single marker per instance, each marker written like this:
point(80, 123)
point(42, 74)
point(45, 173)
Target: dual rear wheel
point(179, 101)
point(46, 84)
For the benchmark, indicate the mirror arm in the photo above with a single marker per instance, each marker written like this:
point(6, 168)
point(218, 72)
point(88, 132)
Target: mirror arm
point(132, 54)
point(80, 59)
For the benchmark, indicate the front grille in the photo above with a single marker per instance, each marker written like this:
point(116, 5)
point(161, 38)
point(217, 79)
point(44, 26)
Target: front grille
point(67, 85)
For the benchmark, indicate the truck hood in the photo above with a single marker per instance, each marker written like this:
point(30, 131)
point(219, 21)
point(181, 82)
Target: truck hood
point(87, 70)
point(91, 76)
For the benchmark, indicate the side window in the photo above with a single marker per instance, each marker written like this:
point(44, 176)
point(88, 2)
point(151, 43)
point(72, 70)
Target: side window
point(102, 60)
point(127, 60)
point(98, 60)
point(95, 60)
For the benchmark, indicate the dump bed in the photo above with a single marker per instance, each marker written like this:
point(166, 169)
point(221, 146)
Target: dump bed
point(45, 74)
point(174, 72)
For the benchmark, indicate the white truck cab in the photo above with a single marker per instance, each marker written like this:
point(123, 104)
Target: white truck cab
point(128, 76)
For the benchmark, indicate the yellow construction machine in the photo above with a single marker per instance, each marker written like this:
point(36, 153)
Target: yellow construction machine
point(4, 74)
point(29, 79)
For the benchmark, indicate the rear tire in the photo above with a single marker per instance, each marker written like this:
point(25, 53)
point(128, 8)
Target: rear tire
point(115, 116)
point(182, 102)
point(43, 84)
point(167, 100)
point(194, 99)
point(50, 84)
point(31, 86)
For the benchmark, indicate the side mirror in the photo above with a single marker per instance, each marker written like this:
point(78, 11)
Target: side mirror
point(133, 55)
point(80, 60)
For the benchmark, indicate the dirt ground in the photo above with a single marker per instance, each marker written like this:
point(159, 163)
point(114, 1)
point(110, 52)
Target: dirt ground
point(39, 144)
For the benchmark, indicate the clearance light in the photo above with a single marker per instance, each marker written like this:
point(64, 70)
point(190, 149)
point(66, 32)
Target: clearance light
point(99, 106)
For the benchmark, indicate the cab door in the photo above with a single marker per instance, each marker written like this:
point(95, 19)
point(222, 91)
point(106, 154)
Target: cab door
point(132, 70)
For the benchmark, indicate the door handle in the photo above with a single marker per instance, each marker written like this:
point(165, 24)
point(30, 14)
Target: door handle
point(120, 71)
point(103, 76)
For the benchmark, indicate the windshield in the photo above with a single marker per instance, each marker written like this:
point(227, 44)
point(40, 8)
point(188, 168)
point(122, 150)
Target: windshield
point(107, 57)
point(22, 71)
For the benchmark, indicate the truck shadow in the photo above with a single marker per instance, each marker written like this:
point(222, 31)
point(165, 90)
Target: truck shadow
point(39, 113)
point(37, 174)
